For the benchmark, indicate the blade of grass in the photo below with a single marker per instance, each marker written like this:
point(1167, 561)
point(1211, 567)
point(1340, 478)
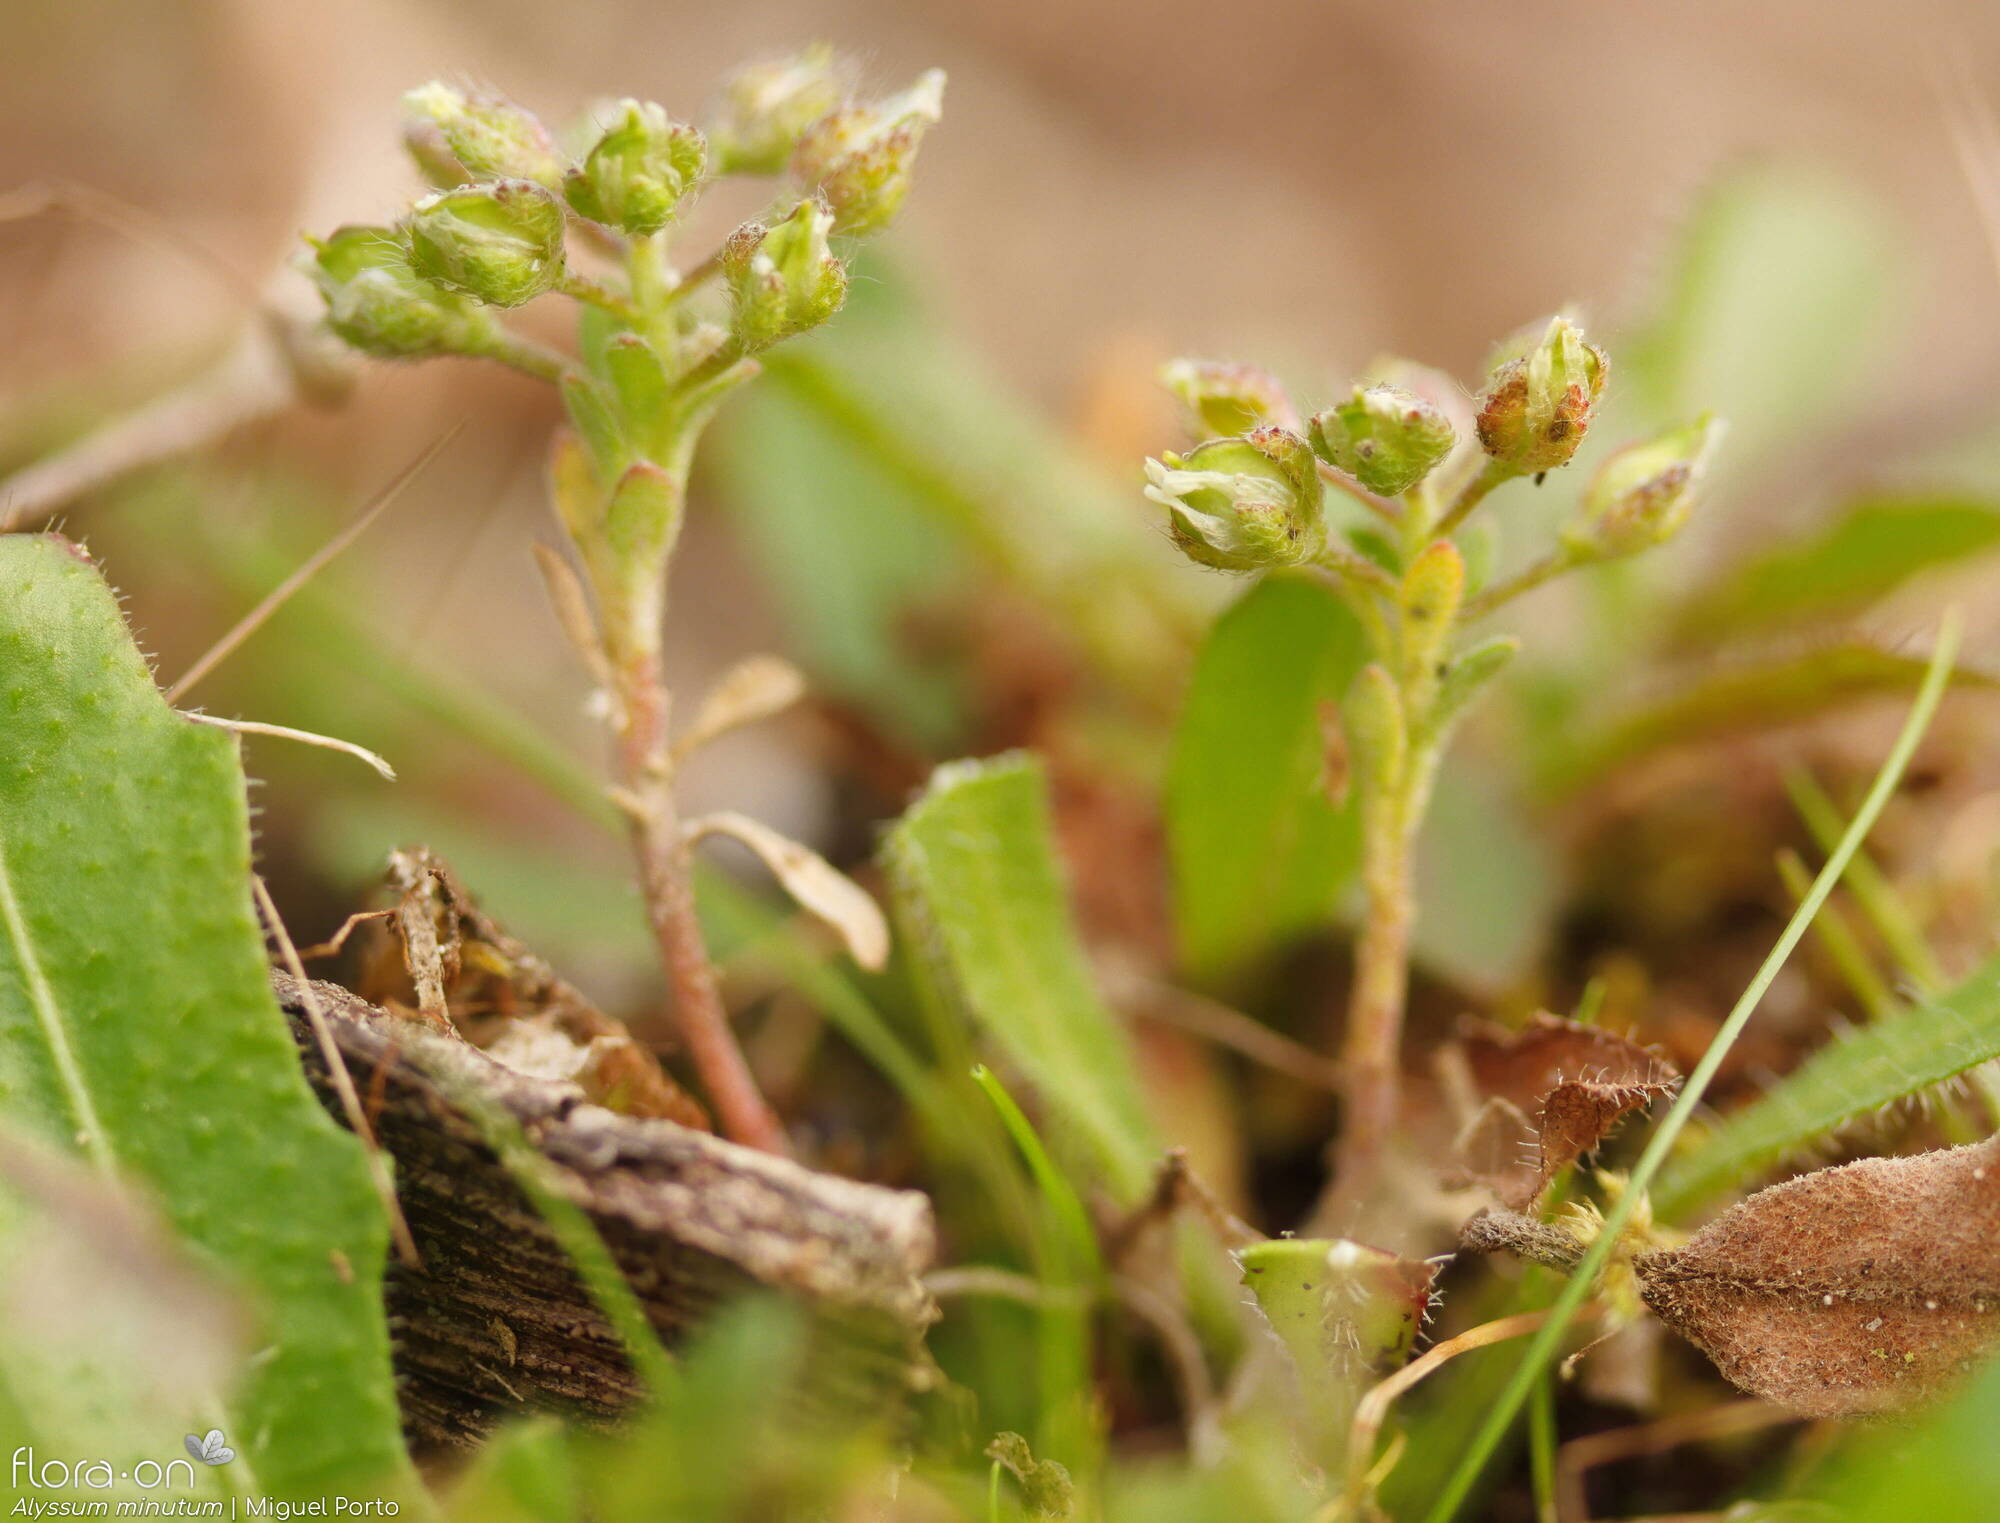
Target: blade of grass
point(1836, 936)
point(1574, 1293)
point(1879, 901)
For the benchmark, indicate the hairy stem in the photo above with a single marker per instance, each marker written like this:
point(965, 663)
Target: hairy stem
point(1471, 495)
point(667, 881)
point(1527, 579)
point(1370, 1056)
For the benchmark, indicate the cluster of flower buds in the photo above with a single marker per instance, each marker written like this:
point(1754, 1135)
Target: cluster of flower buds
point(494, 232)
point(1251, 498)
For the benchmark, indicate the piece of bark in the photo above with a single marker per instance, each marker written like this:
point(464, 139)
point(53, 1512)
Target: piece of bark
point(496, 1320)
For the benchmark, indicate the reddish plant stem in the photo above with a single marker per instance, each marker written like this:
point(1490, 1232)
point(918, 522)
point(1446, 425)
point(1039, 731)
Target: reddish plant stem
point(666, 878)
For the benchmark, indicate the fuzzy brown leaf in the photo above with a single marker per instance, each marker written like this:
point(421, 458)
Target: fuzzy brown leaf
point(1849, 1291)
point(1551, 1092)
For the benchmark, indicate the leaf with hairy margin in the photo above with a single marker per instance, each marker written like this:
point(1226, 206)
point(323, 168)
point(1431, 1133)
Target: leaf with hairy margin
point(137, 1025)
point(1851, 1077)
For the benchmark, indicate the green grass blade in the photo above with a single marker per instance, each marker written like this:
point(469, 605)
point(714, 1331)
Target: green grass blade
point(1584, 1278)
point(1851, 1077)
point(1259, 851)
point(137, 1025)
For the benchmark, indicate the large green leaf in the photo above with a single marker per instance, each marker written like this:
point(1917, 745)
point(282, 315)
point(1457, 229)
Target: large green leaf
point(137, 1026)
point(1259, 851)
point(980, 899)
point(1871, 547)
point(1853, 1076)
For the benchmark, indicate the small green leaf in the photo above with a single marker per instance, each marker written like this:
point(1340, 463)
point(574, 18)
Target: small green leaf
point(1345, 1313)
point(1466, 678)
point(980, 898)
point(597, 424)
point(639, 381)
point(1850, 1078)
point(137, 1024)
point(1872, 547)
point(642, 518)
point(1259, 851)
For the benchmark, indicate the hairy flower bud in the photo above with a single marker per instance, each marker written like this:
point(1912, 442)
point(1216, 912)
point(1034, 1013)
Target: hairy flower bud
point(639, 172)
point(1537, 405)
point(488, 134)
point(765, 106)
point(1242, 504)
point(858, 158)
point(378, 303)
point(1228, 399)
point(1386, 438)
point(1642, 495)
point(784, 279)
point(500, 243)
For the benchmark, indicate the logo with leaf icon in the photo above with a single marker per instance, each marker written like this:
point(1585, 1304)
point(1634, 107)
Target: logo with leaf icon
point(210, 1450)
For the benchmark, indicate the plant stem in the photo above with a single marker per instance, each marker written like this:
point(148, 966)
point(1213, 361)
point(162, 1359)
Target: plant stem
point(1370, 1055)
point(582, 288)
point(1471, 495)
point(667, 881)
point(1527, 579)
point(523, 354)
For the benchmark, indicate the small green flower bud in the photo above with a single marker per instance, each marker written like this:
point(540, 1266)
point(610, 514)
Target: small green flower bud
point(1537, 405)
point(783, 279)
point(1386, 438)
point(1642, 495)
point(639, 172)
point(500, 243)
point(765, 106)
point(378, 303)
point(1229, 399)
point(1242, 504)
point(858, 158)
point(488, 134)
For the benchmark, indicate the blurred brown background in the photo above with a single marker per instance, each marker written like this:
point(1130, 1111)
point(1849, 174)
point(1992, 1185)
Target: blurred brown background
point(1325, 180)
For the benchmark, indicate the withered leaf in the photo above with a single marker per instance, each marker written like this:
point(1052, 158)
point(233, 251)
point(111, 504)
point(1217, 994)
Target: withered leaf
point(1848, 1291)
point(1551, 1091)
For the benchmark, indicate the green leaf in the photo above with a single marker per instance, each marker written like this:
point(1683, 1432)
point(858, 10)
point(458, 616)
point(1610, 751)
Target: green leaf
point(1850, 1078)
point(980, 899)
point(1757, 695)
point(1259, 852)
point(852, 560)
point(1346, 1313)
point(1871, 547)
point(137, 1025)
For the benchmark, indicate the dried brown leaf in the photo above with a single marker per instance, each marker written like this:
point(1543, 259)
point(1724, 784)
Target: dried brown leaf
point(1848, 1291)
point(1551, 1091)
